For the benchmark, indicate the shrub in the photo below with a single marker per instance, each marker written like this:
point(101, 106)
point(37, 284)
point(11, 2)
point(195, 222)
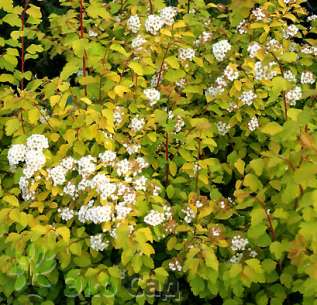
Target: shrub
point(172, 161)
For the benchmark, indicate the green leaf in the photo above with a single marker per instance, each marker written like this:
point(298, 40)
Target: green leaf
point(271, 128)
point(20, 282)
point(11, 126)
point(136, 67)
point(174, 75)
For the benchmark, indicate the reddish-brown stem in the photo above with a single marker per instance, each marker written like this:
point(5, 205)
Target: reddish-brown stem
point(81, 17)
point(269, 219)
point(162, 65)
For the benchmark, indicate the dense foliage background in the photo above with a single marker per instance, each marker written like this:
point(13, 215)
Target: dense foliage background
point(158, 152)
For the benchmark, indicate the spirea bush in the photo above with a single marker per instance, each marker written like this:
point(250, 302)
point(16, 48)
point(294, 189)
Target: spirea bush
point(172, 160)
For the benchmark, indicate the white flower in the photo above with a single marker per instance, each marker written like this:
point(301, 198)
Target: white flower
point(154, 218)
point(34, 160)
point(86, 165)
point(253, 48)
point(181, 83)
point(37, 142)
point(175, 265)
point(241, 28)
point(220, 49)
point(292, 96)
point(140, 183)
point(137, 42)
point(179, 124)
point(134, 23)
point(66, 213)
point(186, 54)
point(97, 243)
point(68, 163)
point(231, 73)
point(123, 167)
point(264, 72)
point(253, 124)
point(71, 190)
point(122, 212)
point(312, 17)
point(152, 95)
point(189, 214)
point(223, 128)
point(24, 183)
point(137, 124)
point(92, 33)
point(288, 75)
point(153, 24)
point(108, 156)
point(273, 44)
point(57, 174)
point(307, 77)
point(16, 154)
point(117, 115)
point(291, 31)
point(238, 243)
point(247, 97)
point(235, 259)
point(167, 14)
point(98, 214)
point(215, 231)
point(258, 14)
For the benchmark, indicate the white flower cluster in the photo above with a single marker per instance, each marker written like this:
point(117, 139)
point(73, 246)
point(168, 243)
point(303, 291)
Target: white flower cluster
point(92, 33)
point(179, 124)
point(203, 38)
point(215, 231)
point(97, 215)
point(253, 49)
point(153, 24)
point(247, 97)
point(258, 14)
point(311, 50)
point(291, 31)
point(137, 42)
point(97, 243)
point(175, 265)
point(118, 115)
point(264, 72)
point(167, 14)
point(181, 83)
point(289, 76)
point(273, 45)
point(186, 54)
point(32, 155)
point(238, 243)
point(66, 213)
point(134, 23)
point(152, 95)
point(198, 204)
point(242, 27)
point(189, 214)
point(253, 124)
point(220, 49)
point(294, 95)
point(219, 87)
point(223, 128)
point(236, 258)
point(137, 124)
point(132, 148)
point(307, 77)
point(154, 218)
point(312, 18)
point(231, 73)
point(108, 157)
